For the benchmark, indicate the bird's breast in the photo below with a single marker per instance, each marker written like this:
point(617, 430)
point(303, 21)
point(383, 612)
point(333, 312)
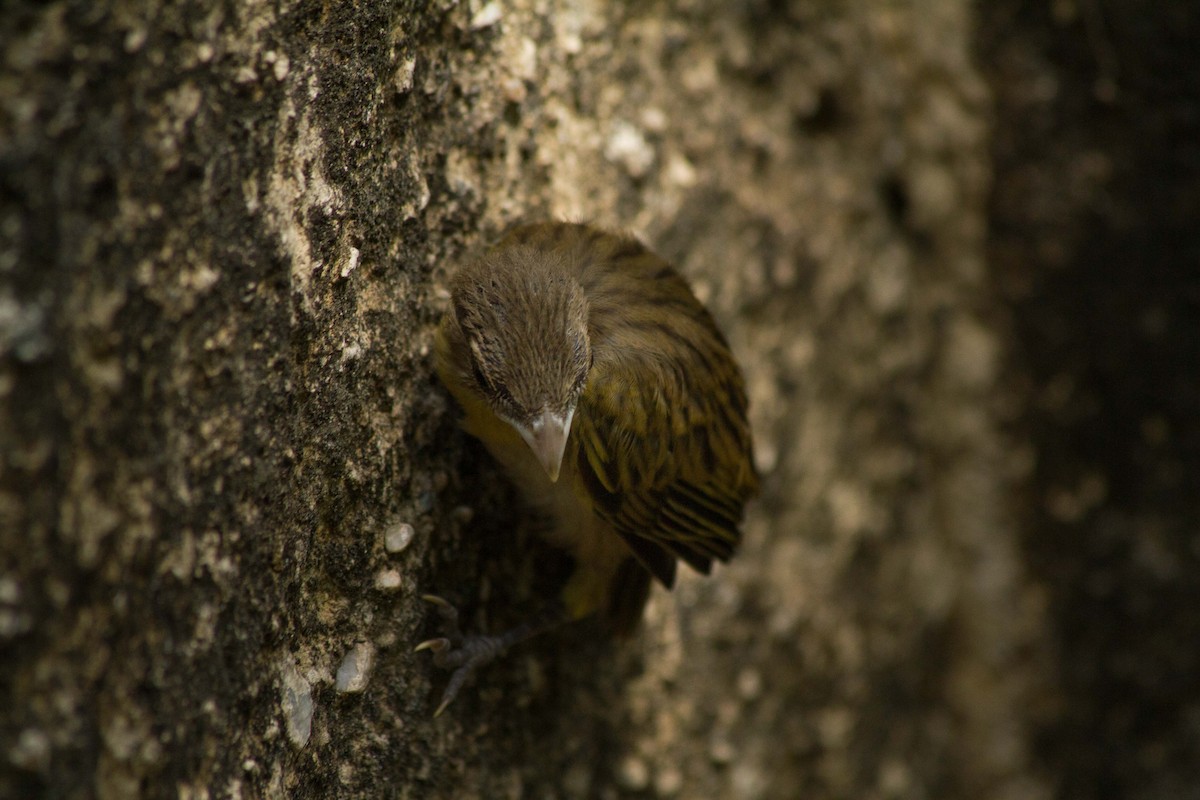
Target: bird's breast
point(574, 525)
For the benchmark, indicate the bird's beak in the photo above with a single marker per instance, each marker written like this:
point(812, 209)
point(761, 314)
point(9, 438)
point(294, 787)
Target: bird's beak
point(547, 436)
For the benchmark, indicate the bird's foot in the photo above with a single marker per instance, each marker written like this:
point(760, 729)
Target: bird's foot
point(454, 651)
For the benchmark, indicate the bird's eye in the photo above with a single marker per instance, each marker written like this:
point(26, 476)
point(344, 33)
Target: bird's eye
point(578, 345)
point(503, 393)
point(497, 389)
point(477, 373)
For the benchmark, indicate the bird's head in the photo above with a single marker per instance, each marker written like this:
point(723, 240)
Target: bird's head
point(523, 321)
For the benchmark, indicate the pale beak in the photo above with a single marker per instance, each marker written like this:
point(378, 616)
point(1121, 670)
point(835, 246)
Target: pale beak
point(546, 436)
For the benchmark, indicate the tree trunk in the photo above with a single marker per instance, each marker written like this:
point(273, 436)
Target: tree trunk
point(228, 474)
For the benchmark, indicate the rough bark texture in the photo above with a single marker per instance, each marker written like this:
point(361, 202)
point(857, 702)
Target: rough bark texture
point(228, 474)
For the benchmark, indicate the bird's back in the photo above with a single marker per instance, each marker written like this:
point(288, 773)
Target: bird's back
point(661, 441)
point(658, 465)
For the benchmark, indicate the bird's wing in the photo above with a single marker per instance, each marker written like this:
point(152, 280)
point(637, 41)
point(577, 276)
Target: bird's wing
point(668, 466)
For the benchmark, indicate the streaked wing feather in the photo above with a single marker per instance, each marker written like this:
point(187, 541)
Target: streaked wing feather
point(684, 492)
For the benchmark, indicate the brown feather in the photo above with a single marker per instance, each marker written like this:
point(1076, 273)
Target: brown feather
point(659, 458)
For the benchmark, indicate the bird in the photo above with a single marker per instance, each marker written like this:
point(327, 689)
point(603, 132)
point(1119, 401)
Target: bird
point(605, 390)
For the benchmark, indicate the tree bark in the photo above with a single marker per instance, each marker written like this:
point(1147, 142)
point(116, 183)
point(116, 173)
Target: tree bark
point(228, 474)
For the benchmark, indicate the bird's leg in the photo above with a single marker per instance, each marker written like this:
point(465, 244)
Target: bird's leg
point(465, 654)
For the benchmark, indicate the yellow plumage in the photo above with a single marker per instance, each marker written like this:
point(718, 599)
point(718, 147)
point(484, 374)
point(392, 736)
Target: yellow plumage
point(593, 375)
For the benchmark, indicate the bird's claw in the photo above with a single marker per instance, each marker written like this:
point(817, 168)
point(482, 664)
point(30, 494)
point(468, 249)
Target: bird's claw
point(440, 602)
point(445, 609)
point(461, 654)
point(436, 645)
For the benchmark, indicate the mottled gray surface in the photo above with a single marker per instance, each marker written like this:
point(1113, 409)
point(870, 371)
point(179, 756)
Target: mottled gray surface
point(228, 473)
